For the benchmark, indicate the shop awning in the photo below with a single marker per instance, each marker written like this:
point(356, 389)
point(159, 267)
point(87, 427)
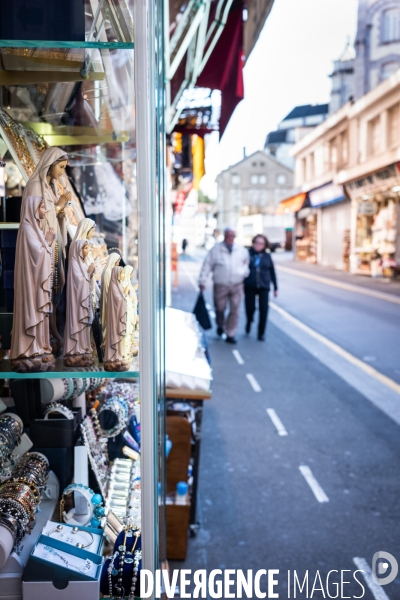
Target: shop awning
point(326, 194)
point(292, 204)
point(224, 69)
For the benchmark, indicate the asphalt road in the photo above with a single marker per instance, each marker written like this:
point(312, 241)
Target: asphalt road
point(324, 490)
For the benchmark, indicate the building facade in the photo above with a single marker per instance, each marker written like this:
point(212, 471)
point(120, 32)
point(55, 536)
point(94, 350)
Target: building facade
point(291, 129)
point(377, 44)
point(254, 185)
point(343, 79)
point(349, 169)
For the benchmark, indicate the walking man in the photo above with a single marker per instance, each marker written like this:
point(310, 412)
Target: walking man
point(229, 264)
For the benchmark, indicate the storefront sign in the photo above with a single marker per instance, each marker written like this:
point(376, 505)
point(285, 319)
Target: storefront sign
point(327, 194)
point(367, 208)
point(380, 181)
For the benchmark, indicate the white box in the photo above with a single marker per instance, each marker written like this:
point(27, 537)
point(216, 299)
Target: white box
point(75, 590)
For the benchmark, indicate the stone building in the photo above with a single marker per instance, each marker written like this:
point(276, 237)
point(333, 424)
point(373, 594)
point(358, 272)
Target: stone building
point(255, 185)
point(375, 57)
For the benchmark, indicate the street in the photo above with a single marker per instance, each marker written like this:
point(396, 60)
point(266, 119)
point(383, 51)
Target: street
point(301, 437)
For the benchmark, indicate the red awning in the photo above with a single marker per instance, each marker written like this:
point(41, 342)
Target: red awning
point(291, 205)
point(224, 69)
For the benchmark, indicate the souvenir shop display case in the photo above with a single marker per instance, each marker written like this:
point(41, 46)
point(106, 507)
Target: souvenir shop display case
point(82, 409)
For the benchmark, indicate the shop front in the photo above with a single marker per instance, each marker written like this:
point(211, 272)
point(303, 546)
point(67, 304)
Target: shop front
point(82, 426)
point(375, 237)
point(322, 227)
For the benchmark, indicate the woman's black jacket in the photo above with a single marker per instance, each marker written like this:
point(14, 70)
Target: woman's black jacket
point(261, 276)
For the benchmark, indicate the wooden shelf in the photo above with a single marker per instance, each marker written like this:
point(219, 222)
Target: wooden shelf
point(186, 394)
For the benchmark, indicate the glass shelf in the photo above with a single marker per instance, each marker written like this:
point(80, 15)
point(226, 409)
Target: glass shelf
point(61, 371)
point(58, 44)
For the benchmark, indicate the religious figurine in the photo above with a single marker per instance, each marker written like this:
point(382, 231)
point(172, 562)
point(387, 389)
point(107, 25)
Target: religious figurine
point(112, 261)
point(30, 344)
point(85, 231)
point(41, 184)
point(77, 345)
point(116, 357)
point(131, 301)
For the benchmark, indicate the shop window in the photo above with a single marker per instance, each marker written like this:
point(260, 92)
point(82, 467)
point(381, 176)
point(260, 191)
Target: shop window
point(374, 136)
point(394, 125)
point(388, 69)
point(281, 179)
point(390, 25)
point(254, 179)
point(235, 179)
point(262, 179)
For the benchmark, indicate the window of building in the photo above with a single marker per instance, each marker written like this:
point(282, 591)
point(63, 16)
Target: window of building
point(235, 179)
point(394, 125)
point(374, 136)
point(388, 69)
point(281, 179)
point(262, 164)
point(333, 153)
point(253, 179)
point(262, 179)
point(304, 169)
point(343, 148)
point(253, 164)
point(391, 25)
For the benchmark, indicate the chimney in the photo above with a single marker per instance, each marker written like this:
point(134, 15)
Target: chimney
point(244, 152)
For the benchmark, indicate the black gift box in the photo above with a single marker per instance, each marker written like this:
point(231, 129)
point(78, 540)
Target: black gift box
point(56, 433)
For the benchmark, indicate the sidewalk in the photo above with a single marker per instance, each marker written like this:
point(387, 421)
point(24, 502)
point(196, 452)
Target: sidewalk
point(386, 286)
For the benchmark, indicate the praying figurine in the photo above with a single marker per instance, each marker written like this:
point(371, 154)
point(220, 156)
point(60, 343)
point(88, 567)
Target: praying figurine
point(116, 355)
point(30, 344)
point(79, 318)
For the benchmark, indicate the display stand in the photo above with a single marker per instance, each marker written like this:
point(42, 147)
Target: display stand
point(195, 399)
point(10, 573)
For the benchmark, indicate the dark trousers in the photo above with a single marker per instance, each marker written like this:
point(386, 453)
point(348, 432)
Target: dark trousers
point(250, 300)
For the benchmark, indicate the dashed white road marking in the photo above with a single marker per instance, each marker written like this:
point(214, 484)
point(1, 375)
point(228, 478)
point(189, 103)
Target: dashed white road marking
point(276, 421)
point(344, 286)
point(376, 590)
point(236, 354)
point(253, 382)
point(210, 310)
point(313, 483)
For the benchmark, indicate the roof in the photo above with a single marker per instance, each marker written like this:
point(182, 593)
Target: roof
point(276, 137)
point(307, 110)
point(264, 155)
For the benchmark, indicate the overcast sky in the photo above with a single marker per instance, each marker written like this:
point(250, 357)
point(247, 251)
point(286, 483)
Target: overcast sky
point(290, 65)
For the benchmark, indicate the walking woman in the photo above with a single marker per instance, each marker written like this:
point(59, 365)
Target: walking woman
point(258, 283)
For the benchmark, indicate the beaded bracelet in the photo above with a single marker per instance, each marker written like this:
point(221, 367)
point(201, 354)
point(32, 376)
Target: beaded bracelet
point(94, 502)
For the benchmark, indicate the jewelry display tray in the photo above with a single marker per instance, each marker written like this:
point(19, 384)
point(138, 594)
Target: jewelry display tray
point(10, 574)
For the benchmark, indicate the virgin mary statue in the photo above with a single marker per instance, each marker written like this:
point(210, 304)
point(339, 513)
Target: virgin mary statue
point(30, 343)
